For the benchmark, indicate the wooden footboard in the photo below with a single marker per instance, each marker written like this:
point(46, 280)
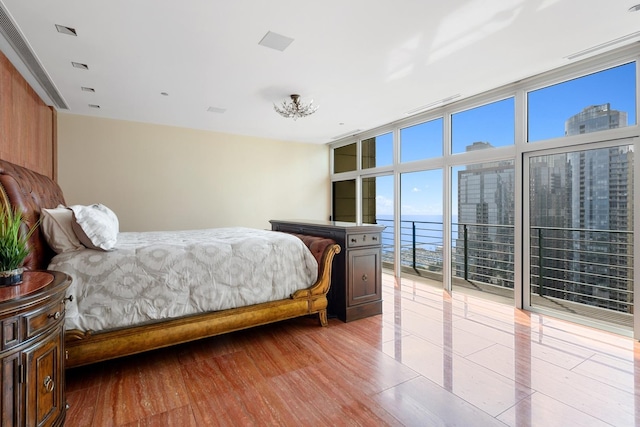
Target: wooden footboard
point(85, 348)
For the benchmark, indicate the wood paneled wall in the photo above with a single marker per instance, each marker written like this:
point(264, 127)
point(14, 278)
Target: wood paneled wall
point(27, 125)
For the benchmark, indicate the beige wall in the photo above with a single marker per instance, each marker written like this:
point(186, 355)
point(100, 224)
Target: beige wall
point(167, 178)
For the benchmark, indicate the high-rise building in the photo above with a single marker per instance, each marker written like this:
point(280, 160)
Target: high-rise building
point(484, 249)
point(549, 219)
point(595, 118)
point(601, 201)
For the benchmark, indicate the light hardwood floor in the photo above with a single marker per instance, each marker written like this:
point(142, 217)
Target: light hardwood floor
point(430, 360)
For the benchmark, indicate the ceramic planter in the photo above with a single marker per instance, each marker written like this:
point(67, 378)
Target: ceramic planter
point(11, 277)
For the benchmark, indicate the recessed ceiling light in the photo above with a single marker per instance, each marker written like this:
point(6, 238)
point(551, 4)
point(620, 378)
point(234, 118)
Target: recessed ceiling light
point(66, 30)
point(164, 94)
point(94, 106)
point(80, 65)
point(87, 89)
point(275, 41)
point(634, 8)
point(216, 110)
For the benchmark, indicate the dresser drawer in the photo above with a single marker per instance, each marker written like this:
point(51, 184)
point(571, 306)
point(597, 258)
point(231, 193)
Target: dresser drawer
point(365, 239)
point(40, 320)
point(28, 324)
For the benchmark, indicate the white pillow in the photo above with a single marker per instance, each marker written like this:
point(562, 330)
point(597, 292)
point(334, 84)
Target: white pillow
point(96, 226)
point(56, 224)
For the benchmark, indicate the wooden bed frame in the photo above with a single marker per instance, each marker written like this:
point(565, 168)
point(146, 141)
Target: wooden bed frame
point(31, 192)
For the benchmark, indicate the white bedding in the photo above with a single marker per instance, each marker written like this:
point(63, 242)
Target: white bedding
point(157, 275)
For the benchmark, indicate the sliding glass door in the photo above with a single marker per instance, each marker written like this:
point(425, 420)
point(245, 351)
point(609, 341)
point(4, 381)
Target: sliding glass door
point(580, 233)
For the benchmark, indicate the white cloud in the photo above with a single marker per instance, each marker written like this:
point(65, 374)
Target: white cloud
point(384, 205)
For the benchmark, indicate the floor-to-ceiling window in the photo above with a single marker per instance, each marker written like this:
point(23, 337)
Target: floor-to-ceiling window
point(482, 200)
point(483, 227)
point(377, 191)
point(482, 184)
point(345, 160)
point(377, 208)
point(421, 224)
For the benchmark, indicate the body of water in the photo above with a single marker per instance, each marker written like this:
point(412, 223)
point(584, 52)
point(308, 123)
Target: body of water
point(428, 232)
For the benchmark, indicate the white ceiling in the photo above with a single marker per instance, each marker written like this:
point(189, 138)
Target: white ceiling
point(364, 62)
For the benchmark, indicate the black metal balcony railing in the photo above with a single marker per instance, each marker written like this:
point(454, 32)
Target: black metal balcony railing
point(591, 267)
point(587, 266)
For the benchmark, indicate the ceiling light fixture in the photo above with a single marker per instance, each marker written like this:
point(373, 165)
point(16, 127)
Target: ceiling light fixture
point(295, 108)
point(634, 8)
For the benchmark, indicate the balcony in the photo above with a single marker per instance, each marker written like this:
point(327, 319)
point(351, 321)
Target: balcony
point(580, 272)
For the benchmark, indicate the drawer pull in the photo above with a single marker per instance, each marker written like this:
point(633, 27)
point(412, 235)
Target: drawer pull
point(364, 277)
point(49, 384)
point(55, 315)
point(375, 238)
point(354, 240)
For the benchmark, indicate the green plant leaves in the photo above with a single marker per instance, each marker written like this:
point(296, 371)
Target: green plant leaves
point(13, 244)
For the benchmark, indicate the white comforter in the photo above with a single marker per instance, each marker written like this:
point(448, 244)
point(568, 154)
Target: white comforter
point(158, 275)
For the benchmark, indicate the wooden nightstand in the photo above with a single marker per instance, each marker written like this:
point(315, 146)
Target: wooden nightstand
point(356, 277)
point(32, 350)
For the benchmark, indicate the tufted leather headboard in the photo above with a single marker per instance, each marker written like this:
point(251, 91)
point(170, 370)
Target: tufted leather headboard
point(317, 246)
point(30, 192)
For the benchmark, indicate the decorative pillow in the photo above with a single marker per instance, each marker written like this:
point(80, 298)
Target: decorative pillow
point(96, 226)
point(56, 224)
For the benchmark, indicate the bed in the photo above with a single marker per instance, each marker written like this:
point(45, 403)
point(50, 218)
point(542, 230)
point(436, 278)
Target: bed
point(191, 315)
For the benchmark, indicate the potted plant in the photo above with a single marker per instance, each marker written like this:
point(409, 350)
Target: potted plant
point(13, 245)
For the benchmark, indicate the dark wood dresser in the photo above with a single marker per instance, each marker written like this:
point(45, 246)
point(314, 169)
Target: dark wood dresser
point(32, 352)
point(356, 278)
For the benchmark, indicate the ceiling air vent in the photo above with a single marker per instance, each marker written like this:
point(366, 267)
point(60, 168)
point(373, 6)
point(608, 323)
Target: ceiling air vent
point(275, 41)
point(80, 65)
point(216, 110)
point(14, 38)
point(66, 30)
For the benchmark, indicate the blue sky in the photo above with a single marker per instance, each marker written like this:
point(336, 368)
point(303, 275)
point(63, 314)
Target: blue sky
point(548, 109)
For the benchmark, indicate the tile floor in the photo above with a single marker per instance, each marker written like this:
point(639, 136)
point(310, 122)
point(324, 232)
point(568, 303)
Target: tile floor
point(430, 359)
